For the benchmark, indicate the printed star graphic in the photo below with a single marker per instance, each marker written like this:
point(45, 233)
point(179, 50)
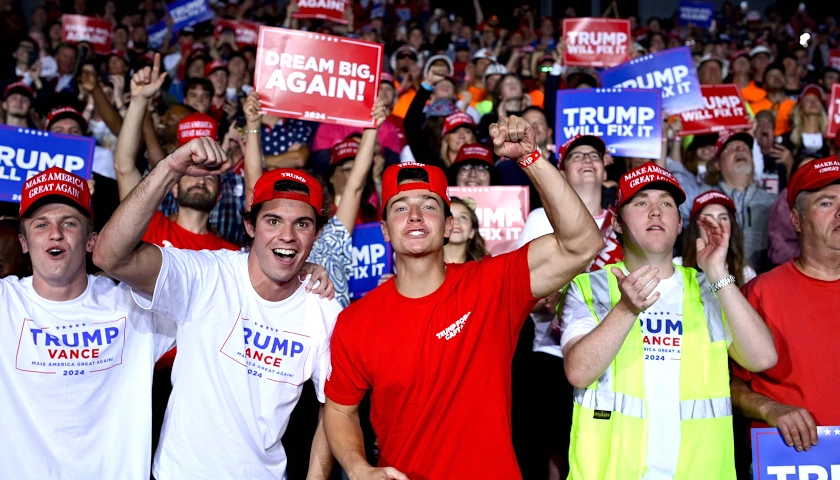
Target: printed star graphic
point(837, 431)
point(828, 431)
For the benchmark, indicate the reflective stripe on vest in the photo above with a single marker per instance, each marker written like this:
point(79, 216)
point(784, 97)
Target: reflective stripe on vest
point(610, 402)
point(708, 408)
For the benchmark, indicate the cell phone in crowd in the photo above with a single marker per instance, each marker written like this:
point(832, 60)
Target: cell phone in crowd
point(33, 57)
point(81, 58)
point(778, 140)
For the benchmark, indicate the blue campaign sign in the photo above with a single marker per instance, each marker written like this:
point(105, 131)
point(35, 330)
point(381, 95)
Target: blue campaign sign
point(697, 13)
point(156, 34)
point(671, 71)
point(372, 258)
point(186, 13)
point(629, 121)
point(25, 153)
point(774, 460)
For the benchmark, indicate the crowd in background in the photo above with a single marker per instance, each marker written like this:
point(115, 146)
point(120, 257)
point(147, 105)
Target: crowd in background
point(446, 79)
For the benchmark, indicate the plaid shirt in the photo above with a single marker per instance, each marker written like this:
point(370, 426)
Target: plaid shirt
point(226, 218)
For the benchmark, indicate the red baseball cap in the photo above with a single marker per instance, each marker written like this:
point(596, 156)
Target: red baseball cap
point(813, 176)
point(346, 150)
point(645, 176)
point(390, 185)
point(456, 120)
point(55, 185)
point(712, 197)
point(265, 189)
point(215, 65)
point(726, 136)
point(19, 87)
point(578, 140)
point(475, 151)
point(66, 112)
point(196, 125)
point(811, 90)
point(386, 78)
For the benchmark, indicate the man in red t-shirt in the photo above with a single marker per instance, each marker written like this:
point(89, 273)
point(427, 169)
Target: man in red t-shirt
point(435, 343)
point(799, 301)
point(196, 197)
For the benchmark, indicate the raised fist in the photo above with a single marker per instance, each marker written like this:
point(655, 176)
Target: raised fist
point(199, 158)
point(513, 137)
point(253, 115)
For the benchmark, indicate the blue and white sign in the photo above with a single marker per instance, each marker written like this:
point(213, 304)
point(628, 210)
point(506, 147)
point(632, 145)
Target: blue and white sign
point(186, 13)
point(372, 258)
point(697, 13)
point(156, 34)
point(672, 71)
point(629, 121)
point(774, 460)
point(25, 153)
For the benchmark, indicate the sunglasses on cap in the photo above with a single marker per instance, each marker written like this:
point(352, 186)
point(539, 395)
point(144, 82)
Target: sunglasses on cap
point(402, 56)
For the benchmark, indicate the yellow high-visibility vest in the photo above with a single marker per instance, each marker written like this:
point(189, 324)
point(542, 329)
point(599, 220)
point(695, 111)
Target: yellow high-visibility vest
point(610, 428)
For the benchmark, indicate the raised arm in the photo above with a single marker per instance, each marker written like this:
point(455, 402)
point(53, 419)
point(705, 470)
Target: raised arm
point(752, 342)
point(554, 260)
point(144, 85)
point(109, 114)
point(114, 252)
point(351, 200)
point(253, 147)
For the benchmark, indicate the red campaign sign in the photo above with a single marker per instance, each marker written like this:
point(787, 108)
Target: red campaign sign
point(834, 112)
point(501, 213)
point(317, 77)
point(596, 42)
point(834, 58)
point(332, 10)
point(723, 109)
point(246, 32)
point(96, 31)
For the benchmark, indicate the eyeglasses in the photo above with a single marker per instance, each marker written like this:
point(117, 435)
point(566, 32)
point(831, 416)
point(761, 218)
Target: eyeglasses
point(473, 168)
point(546, 68)
point(737, 147)
point(581, 157)
point(403, 56)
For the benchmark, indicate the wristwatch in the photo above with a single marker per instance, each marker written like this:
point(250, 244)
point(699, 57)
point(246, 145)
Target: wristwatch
point(722, 283)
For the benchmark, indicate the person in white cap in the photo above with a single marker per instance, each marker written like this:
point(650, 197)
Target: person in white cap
point(711, 70)
point(481, 60)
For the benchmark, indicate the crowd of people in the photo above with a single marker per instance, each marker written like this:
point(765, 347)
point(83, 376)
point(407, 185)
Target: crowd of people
point(191, 302)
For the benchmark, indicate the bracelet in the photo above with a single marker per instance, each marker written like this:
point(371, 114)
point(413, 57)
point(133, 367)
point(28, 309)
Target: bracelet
point(722, 283)
point(254, 131)
point(530, 159)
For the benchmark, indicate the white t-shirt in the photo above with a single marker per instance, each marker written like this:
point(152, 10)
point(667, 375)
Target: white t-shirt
point(537, 225)
point(662, 335)
point(240, 368)
point(76, 382)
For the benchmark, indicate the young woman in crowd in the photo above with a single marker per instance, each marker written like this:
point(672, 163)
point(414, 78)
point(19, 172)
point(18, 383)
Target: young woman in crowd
point(720, 207)
point(465, 243)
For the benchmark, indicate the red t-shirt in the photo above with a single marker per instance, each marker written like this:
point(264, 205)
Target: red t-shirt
point(439, 368)
point(801, 312)
point(163, 232)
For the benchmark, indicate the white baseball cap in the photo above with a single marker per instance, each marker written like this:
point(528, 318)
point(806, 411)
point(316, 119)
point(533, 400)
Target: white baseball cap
point(759, 50)
point(484, 53)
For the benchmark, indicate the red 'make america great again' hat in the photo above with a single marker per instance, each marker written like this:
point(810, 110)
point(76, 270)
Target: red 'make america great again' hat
point(55, 185)
point(649, 175)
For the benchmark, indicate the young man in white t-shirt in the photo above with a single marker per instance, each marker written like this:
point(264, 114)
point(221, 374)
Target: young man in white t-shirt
point(77, 352)
point(643, 343)
point(249, 333)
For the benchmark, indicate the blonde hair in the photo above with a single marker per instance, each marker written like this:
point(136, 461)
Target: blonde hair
point(444, 148)
point(798, 124)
